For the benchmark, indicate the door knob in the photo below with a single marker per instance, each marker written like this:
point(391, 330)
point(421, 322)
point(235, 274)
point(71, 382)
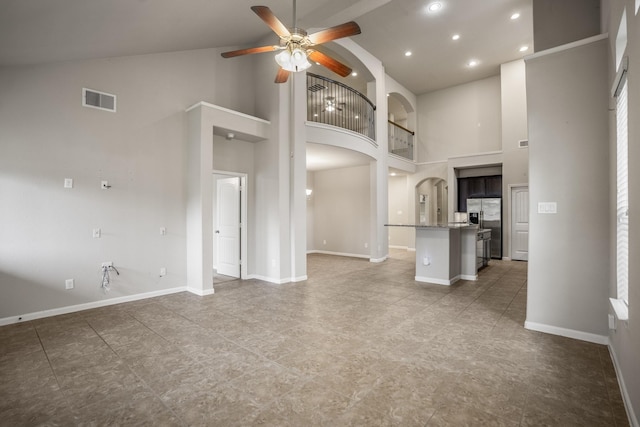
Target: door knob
point(217, 231)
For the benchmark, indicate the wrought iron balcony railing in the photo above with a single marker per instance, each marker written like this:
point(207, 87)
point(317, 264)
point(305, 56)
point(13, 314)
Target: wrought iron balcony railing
point(400, 141)
point(336, 104)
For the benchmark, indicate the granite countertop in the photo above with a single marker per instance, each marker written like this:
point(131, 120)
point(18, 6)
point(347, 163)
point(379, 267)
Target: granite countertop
point(437, 226)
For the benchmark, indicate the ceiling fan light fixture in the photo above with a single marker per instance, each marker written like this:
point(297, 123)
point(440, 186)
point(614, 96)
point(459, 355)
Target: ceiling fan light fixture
point(293, 60)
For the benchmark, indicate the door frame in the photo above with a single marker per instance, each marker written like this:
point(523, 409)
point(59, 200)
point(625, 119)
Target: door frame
point(512, 187)
point(244, 207)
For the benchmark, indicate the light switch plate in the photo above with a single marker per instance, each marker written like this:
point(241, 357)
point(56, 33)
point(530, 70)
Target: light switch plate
point(68, 284)
point(547, 207)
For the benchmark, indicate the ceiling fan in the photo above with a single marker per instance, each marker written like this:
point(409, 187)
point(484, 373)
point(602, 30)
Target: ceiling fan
point(297, 47)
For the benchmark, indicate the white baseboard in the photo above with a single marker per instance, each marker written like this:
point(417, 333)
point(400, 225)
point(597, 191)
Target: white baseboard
point(506, 258)
point(269, 279)
point(87, 306)
point(569, 333)
point(437, 281)
point(398, 247)
point(411, 249)
point(633, 419)
point(384, 258)
point(338, 254)
point(200, 292)
point(469, 277)
point(300, 279)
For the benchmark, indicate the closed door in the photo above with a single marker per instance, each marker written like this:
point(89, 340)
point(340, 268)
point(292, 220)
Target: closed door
point(228, 227)
point(520, 223)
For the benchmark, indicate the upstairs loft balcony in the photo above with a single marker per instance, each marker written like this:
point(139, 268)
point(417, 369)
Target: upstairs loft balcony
point(333, 103)
point(336, 104)
point(400, 141)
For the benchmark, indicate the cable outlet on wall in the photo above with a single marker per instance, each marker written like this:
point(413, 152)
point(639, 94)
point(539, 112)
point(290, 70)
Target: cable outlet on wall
point(163, 231)
point(68, 284)
point(96, 233)
point(105, 185)
point(68, 183)
point(163, 271)
point(107, 264)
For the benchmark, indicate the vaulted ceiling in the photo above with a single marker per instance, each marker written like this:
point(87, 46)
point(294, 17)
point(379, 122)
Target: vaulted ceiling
point(40, 31)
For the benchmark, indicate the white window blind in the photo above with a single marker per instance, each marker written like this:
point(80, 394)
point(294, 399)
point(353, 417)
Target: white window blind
point(622, 205)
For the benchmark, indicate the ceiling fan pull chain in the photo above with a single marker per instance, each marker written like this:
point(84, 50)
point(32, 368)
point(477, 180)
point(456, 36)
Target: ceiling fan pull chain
point(295, 23)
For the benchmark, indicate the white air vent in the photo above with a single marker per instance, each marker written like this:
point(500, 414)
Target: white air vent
point(524, 143)
point(101, 100)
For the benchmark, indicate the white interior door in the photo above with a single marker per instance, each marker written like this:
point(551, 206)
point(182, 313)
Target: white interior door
point(520, 223)
point(228, 226)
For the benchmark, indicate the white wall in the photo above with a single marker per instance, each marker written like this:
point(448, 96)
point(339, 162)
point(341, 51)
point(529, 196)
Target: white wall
point(47, 136)
point(460, 120)
point(341, 210)
point(568, 156)
point(515, 168)
point(399, 211)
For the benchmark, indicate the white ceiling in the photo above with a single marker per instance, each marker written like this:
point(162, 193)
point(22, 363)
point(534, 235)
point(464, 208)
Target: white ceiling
point(41, 31)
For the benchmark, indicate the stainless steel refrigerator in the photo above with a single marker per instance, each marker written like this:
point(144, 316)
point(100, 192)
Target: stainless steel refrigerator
point(487, 212)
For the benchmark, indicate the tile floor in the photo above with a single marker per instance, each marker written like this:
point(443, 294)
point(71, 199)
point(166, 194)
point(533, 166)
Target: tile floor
point(356, 344)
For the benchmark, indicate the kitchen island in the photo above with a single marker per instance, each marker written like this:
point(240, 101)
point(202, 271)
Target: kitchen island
point(445, 253)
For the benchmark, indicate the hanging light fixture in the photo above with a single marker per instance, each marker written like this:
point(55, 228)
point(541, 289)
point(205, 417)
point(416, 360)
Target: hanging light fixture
point(293, 58)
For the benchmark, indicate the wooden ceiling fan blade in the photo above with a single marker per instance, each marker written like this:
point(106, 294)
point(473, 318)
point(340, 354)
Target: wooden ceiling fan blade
point(249, 51)
point(271, 20)
point(339, 31)
point(282, 76)
point(332, 64)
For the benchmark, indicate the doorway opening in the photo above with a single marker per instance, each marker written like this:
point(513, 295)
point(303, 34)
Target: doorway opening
point(229, 219)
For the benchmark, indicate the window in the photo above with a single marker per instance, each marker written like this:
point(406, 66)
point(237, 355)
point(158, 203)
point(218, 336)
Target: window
point(622, 204)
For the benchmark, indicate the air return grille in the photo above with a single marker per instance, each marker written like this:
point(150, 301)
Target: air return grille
point(524, 143)
point(101, 100)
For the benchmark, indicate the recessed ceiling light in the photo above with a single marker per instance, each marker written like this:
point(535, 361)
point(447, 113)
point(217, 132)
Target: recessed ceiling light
point(408, 53)
point(434, 7)
point(472, 63)
point(455, 37)
point(354, 74)
point(392, 174)
point(315, 114)
point(524, 48)
point(357, 117)
point(515, 16)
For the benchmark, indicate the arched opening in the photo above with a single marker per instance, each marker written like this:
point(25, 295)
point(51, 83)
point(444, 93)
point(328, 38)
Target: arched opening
point(432, 199)
point(400, 126)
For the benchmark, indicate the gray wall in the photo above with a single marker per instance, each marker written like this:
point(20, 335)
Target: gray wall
point(47, 136)
point(341, 210)
point(550, 18)
point(460, 120)
point(568, 158)
point(625, 340)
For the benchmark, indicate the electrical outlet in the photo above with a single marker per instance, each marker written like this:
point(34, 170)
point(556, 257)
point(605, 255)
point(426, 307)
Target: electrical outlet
point(163, 231)
point(107, 264)
point(68, 284)
point(97, 233)
point(68, 183)
point(163, 271)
